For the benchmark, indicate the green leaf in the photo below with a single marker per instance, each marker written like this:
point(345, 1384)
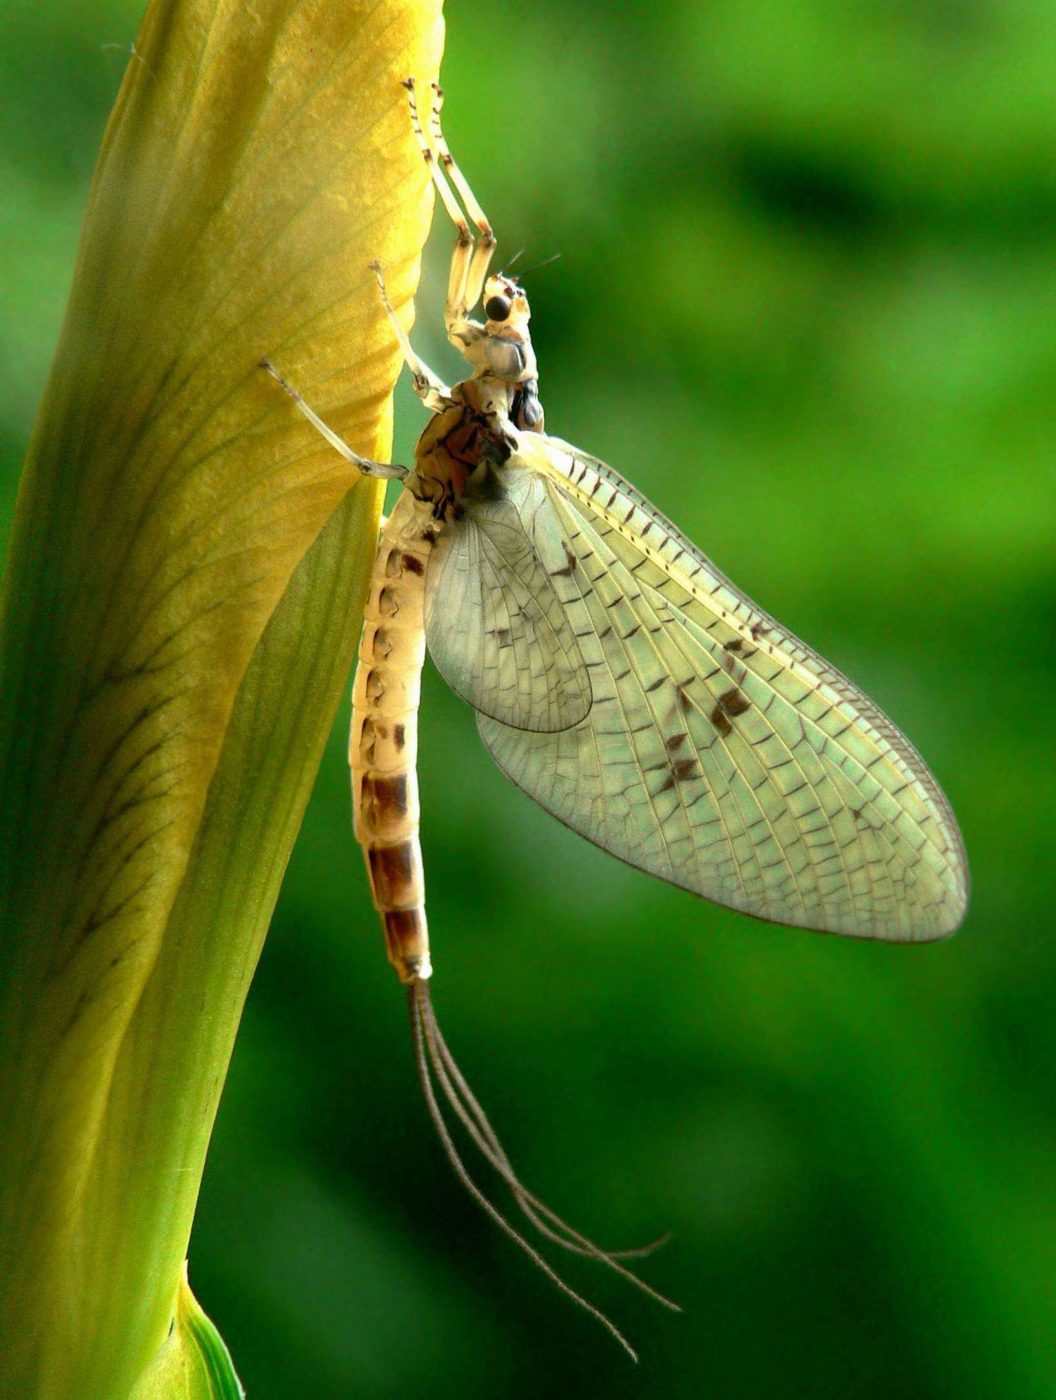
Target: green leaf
point(193, 1362)
point(179, 614)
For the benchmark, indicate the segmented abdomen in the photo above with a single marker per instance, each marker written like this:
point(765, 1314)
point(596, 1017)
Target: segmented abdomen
point(383, 743)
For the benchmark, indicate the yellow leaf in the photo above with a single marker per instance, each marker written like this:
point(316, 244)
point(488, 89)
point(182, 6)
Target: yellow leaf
point(180, 609)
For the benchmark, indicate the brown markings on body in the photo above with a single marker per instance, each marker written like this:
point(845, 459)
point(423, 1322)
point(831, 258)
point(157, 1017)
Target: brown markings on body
point(469, 439)
point(405, 935)
point(399, 736)
point(454, 443)
point(381, 647)
point(412, 564)
point(402, 926)
point(388, 602)
point(730, 704)
point(384, 799)
point(392, 875)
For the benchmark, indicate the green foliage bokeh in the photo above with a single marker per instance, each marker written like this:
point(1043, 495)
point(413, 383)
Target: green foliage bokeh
point(804, 303)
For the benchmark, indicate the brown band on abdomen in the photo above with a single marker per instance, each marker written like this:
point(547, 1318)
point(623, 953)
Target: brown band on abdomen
point(383, 803)
point(383, 737)
point(396, 875)
point(407, 941)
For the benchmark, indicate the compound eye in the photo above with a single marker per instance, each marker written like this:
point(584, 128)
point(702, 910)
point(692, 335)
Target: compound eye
point(497, 308)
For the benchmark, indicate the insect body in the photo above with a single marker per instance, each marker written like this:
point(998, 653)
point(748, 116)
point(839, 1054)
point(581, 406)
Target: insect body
point(618, 677)
point(459, 447)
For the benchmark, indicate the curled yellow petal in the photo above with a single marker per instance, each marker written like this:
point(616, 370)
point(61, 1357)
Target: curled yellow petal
point(179, 612)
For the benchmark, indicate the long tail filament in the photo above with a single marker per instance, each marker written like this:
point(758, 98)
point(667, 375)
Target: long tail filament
point(435, 1061)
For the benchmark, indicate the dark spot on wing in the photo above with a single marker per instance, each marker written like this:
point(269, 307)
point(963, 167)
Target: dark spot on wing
point(735, 702)
point(730, 704)
point(675, 742)
point(570, 563)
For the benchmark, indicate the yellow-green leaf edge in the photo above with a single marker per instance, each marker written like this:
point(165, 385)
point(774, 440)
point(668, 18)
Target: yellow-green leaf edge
point(180, 609)
point(193, 1363)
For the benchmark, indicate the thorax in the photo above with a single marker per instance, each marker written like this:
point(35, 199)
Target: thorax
point(472, 432)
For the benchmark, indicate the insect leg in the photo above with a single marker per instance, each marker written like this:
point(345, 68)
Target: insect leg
point(476, 273)
point(472, 256)
point(432, 391)
point(389, 470)
point(473, 264)
point(447, 160)
point(443, 188)
point(469, 267)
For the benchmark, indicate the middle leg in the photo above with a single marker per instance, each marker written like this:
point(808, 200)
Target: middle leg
point(429, 387)
point(388, 471)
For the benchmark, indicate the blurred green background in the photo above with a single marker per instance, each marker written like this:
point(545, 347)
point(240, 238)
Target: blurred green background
point(805, 302)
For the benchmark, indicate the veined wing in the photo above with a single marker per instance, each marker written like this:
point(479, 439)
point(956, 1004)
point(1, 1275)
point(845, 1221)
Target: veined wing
point(720, 752)
point(496, 625)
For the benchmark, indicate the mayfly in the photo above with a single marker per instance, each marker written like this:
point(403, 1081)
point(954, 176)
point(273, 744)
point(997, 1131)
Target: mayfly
point(618, 678)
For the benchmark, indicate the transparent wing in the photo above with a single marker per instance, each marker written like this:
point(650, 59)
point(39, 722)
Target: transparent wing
point(496, 614)
point(721, 753)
